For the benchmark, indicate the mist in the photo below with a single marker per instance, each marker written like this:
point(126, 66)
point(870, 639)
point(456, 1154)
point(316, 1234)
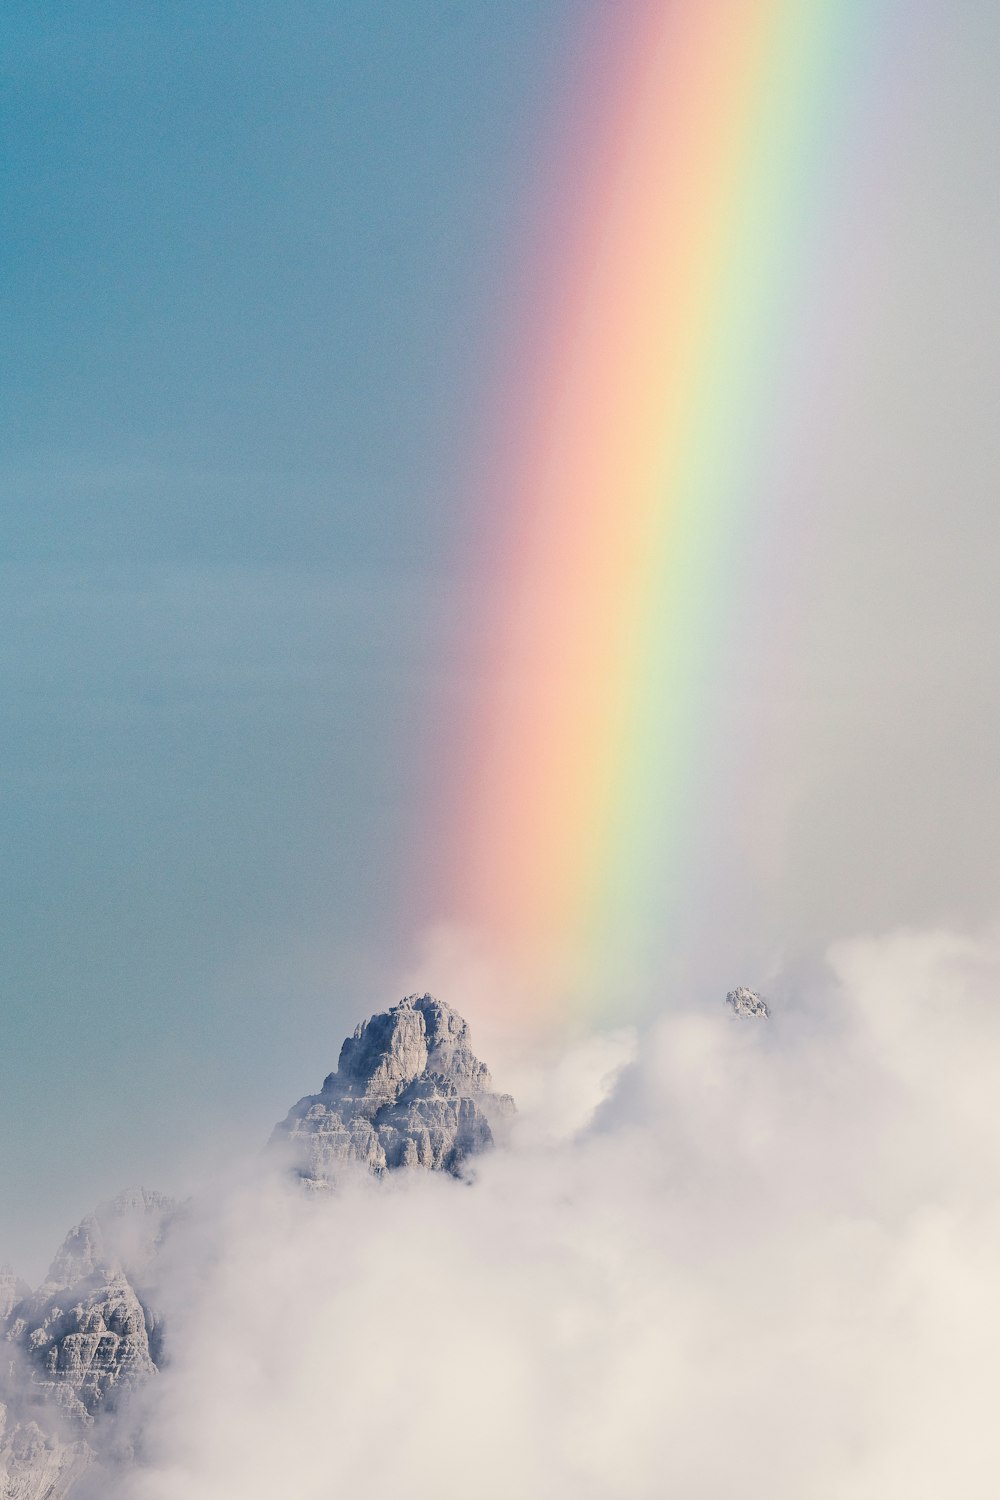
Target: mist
point(716, 1256)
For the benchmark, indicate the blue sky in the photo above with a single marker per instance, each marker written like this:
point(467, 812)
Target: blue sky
point(255, 261)
point(252, 258)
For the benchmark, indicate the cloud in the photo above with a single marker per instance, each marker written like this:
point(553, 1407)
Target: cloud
point(726, 1258)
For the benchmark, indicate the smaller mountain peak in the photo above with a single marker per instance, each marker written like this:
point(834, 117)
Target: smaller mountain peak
point(747, 1002)
point(135, 1200)
point(122, 1232)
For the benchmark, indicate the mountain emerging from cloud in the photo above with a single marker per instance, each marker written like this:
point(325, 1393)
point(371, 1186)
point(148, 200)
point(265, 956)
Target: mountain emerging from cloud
point(727, 1253)
point(408, 1092)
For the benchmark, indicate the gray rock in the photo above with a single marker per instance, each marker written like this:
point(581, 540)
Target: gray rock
point(88, 1345)
point(36, 1464)
point(88, 1335)
point(408, 1092)
point(748, 1003)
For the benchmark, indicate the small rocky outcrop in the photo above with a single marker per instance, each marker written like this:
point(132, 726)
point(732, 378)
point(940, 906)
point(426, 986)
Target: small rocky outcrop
point(408, 1092)
point(745, 1002)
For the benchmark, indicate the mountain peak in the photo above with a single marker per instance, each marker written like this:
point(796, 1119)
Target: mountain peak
point(121, 1233)
point(408, 1091)
point(420, 1035)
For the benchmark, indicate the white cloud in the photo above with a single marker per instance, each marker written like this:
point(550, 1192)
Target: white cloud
point(755, 1260)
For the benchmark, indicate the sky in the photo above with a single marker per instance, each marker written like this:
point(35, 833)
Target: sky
point(256, 261)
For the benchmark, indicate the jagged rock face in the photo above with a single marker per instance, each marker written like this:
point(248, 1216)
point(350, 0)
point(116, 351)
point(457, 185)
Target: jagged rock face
point(408, 1092)
point(748, 1003)
point(89, 1344)
point(88, 1334)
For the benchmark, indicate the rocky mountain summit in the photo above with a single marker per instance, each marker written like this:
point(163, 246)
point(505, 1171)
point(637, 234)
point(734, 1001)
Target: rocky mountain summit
point(408, 1092)
point(745, 1002)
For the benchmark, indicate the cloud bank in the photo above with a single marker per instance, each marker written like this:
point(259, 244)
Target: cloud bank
point(719, 1258)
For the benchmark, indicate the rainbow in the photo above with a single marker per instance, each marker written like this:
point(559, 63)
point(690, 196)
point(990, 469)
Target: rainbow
point(644, 400)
